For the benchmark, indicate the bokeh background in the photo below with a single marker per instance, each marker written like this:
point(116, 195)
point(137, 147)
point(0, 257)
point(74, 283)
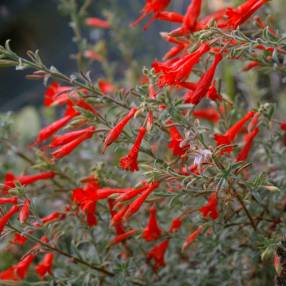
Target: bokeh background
point(37, 24)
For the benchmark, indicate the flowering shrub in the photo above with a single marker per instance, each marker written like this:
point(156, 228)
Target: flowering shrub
point(178, 180)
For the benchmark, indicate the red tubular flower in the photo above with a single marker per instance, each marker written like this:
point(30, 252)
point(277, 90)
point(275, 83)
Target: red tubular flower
point(173, 17)
point(213, 94)
point(19, 239)
point(104, 193)
point(176, 140)
point(84, 105)
point(129, 162)
point(52, 128)
point(232, 132)
point(97, 23)
point(90, 214)
point(119, 229)
point(8, 274)
point(209, 114)
point(204, 83)
point(178, 32)
point(45, 266)
point(10, 179)
point(243, 12)
point(175, 224)
point(210, 208)
point(106, 86)
point(115, 132)
point(22, 267)
point(117, 217)
point(52, 217)
point(157, 253)
point(25, 211)
point(8, 182)
point(192, 15)
point(137, 203)
point(152, 7)
point(189, 240)
point(131, 194)
point(19, 271)
point(69, 147)
point(86, 198)
point(243, 154)
point(48, 131)
point(152, 231)
point(57, 95)
point(26, 180)
point(4, 219)
point(175, 71)
point(186, 84)
point(11, 200)
point(70, 136)
point(174, 51)
point(121, 237)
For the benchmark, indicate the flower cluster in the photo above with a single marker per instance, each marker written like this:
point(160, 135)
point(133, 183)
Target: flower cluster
point(138, 173)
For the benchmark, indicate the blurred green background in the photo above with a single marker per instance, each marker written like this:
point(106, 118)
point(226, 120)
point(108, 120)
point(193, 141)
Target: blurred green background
point(35, 24)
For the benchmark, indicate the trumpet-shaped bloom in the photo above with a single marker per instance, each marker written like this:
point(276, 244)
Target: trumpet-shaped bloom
point(157, 253)
point(115, 132)
point(45, 266)
point(204, 83)
point(243, 154)
point(210, 208)
point(152, 7)
point(190, 239)
point(232, 132)
point(129, 162)
point(152, 231)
